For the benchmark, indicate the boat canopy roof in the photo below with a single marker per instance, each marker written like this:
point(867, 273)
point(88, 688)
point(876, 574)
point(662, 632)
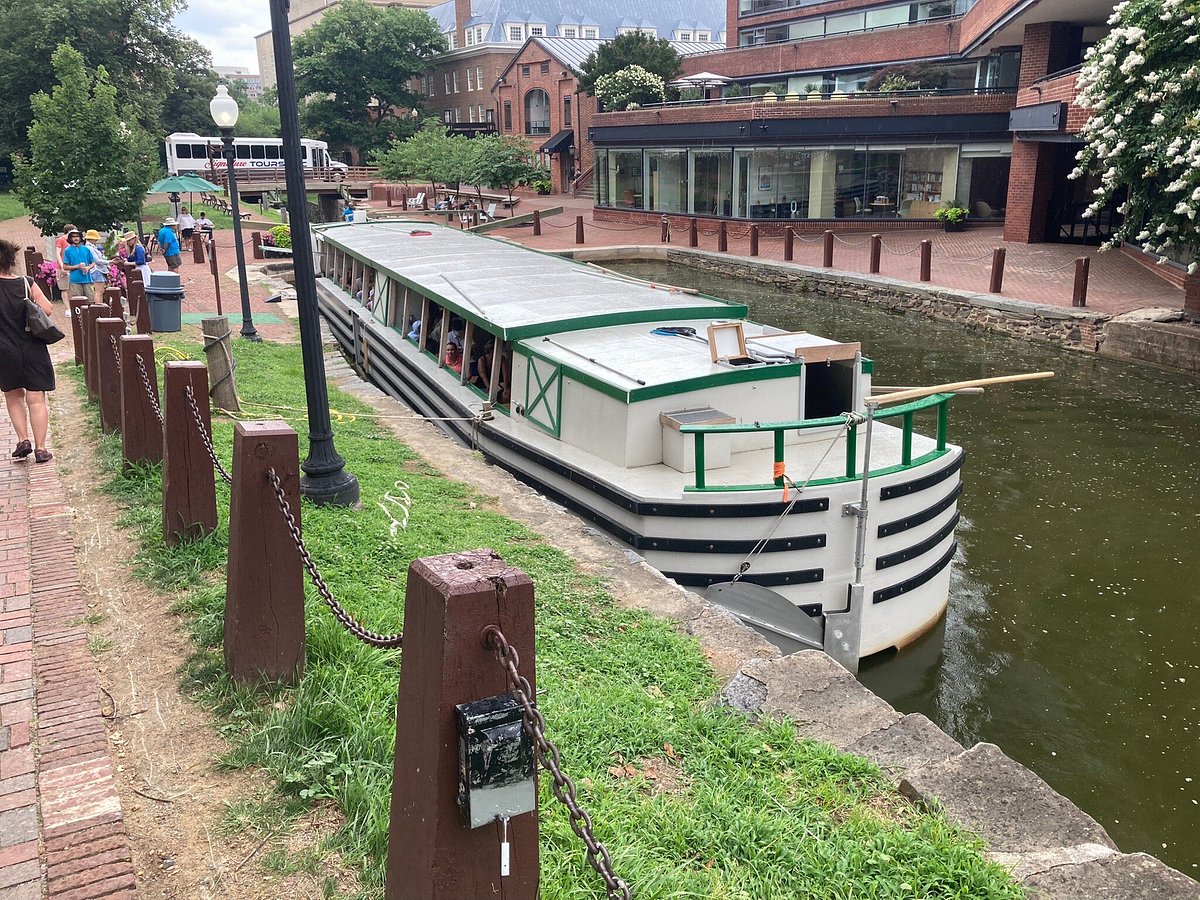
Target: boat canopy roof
point(511, 290)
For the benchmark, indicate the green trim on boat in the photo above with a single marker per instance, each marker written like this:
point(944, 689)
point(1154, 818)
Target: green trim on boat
point(868, 366)
point(818, 482)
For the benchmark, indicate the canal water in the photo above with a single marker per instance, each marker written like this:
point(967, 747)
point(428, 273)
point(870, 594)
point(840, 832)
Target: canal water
point(1073, 635)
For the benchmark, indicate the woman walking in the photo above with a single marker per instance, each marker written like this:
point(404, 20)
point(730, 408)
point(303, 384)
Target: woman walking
point(25, 370)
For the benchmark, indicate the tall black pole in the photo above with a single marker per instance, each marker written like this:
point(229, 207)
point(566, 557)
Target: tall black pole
point(325, 477)
point(248, 330)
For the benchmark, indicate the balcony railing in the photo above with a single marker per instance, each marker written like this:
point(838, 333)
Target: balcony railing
point(835, 96)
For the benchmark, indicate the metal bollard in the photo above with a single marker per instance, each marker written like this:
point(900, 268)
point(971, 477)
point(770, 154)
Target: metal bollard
point(789, 245)
point(1083, 266)
point(537, 223)
point(723, 237)
point(448, 602)
point(108, 376)
point(926, 260)
point(996, 283)
point(189, 490)
point(141, 430)
point(827, 249)
point(753, 239)
point(693, 232)
point(876, 252)
point(264, 593)
point(579, 229)
point(91, 313)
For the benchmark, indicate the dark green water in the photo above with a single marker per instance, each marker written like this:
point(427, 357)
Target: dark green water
point(1073, 635)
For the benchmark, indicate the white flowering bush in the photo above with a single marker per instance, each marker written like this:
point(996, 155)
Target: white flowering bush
point(629, 88)
point(1142, 85)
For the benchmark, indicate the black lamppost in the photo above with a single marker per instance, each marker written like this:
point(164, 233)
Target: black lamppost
point(224, 110)
point(325, 477)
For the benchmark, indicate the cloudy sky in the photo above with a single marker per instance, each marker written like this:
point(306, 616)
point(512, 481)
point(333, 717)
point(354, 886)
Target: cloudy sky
point(227, 28)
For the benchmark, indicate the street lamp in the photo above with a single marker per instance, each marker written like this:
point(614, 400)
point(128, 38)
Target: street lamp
point(224, 110)
point(325, 477)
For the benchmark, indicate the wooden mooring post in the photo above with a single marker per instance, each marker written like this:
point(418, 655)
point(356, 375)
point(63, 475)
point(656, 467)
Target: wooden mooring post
point(926, 273)
point(723, 237)
point(754, 240)
point(112, 299)
point(693, 232)
point(109, 330)
point(827, 249)
point(33, 259)
point(139, 307)
point(579, 229)
point(75, 308)
point(432, 854)
point(537, 222)
point(264, 596)
point(996, 282)
point(189, 489)
point(141, 430)
point(876, 252)
point(1083, 267)
point(91, 313)
point(789, 244)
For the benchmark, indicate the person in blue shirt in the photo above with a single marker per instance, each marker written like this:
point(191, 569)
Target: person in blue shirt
point(348, 213)
point(79, 263)
point(168, 242)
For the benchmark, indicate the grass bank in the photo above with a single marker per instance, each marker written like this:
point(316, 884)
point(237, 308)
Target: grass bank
point(692, 801)
point(10, 206)
point(154, 213)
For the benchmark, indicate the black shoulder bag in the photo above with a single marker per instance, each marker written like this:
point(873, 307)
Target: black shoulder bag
point(37, 323)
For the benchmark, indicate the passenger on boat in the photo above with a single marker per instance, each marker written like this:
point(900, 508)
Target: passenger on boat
point(414, 331)
point(484, 369)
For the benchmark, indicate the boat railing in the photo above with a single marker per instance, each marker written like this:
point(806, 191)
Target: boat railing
point(906, 412)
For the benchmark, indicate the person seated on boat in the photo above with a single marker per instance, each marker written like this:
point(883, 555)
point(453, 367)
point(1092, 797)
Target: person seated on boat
point(484, 368)
point(454, 358)
point(433, 341)
point(414, 331)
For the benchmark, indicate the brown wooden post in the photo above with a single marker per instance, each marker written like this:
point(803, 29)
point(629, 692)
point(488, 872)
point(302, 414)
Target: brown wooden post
point(75, 308)
point(139, 308)
point(1083, 265)
point(664, 230)
point(996, 284)
point(112, 299)
point(579, 229)
point(91, 313)
point(109, 330)
point(876, 252)
point(189, 492)
point(432, 855)
point(264, 595)
point(537, 222)
point(723, 237)
point(197, 250)
point(754, 240)
point(827, 249)
point(32, 260)
point(141, 432)
point(693, 232)
point(926, 273)
point(789, 245)
point(387, 196)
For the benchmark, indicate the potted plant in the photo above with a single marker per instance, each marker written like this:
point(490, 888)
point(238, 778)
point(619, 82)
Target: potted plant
point(47, 275)
point(953, 216)
point(814, 90)
point(542, 185)
point(277, 242)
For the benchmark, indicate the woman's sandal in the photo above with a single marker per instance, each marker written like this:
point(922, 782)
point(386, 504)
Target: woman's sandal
point(42, 456)
point(24, 448)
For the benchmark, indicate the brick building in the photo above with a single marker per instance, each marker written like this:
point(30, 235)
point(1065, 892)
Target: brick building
point(806, 132)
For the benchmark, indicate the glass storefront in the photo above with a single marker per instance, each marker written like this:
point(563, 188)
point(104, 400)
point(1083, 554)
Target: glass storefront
point(805, 183)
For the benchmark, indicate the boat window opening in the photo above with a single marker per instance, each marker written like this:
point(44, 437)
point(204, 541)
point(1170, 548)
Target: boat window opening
point(829, 388)
point(495, 372)
point(410, 312)
point(431, 328)
point(450, 349)
point(422, 327)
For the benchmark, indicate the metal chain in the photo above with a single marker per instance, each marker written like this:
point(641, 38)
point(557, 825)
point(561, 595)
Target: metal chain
point(116, 353)
point(548, 755)
point(149, 390)
point(204, 436)
point(372, 638)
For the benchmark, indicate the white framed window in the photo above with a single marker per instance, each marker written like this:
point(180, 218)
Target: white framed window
point(479, 78)
point(429, 85)
point(456, 115)
point(455, 78)
point(480, 34)
point(568, 31)
point(537, 30)
point(470, 79)
point(469, 34)
point(447, 76)
point(470, 113)
point(683, 35)
point(516, 32)
point(453, 39)
point(481, 112)
point(703, 35)
point(591, 33)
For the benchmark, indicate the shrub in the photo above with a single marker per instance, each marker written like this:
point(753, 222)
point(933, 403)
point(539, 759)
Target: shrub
point(281, 236)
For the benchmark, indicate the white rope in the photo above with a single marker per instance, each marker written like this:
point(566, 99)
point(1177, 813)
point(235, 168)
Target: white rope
point(401, 501)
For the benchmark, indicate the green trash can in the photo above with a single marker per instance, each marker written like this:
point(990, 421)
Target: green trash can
point(164, 293)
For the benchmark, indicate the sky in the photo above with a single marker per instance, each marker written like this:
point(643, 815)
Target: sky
point(227, 28)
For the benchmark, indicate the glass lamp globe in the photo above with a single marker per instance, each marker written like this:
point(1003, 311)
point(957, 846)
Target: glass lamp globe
point(224, 109)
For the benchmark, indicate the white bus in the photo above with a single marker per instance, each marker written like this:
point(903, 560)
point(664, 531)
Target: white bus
point(188, 152)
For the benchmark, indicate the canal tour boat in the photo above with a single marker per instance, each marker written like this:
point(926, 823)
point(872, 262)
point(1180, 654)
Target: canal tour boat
point(727, 453)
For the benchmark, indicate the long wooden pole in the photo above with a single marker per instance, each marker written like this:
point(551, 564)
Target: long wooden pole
point(916, 393)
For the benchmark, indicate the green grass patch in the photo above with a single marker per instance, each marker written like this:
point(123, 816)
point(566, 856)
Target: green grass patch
point(692, 800)
point(11, 207)
point(154, 213)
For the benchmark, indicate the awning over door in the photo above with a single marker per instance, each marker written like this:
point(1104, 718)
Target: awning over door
point(560, 142)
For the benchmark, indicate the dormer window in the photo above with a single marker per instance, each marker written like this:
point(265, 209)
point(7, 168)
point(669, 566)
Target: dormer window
point(591, 33)
point(704, 35)
point(516, 33)
point(537, 30)
point(683, 35)
point(569, 31)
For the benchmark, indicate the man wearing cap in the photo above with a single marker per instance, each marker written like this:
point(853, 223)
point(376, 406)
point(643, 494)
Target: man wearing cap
point(169, 243)
point(78, 261)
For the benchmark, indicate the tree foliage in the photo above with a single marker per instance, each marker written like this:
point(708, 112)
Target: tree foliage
point(630, 88)
point(356, 66)
point(86, 164)
point(1142, 84)
point(505, 161)
point(632, 49)
point(910, 77)
point(143, 54)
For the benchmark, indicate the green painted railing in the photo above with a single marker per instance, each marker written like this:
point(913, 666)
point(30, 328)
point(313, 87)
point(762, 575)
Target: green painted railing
point(905, 412)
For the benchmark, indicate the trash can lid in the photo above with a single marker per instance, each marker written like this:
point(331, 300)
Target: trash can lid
point(168, 280)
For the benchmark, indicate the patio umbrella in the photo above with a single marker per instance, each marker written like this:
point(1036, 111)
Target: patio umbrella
point(183, 184)
point(700, 79)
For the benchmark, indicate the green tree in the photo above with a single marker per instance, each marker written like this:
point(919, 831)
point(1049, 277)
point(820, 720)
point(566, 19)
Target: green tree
point(258, 120)
point(186, 108)
point(504, 161)
point(86, 165)
point(133, 40)
point(1142, 84)
point(430, 155)
point(356, 67)
point(631, 49)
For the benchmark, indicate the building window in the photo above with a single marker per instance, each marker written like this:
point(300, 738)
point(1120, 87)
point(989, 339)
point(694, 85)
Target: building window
point(447, 76)
point(537, 112)
point(470, 79)
point(490, 115)
point(455, 77)
point(524, 71)
point(508, 115)
point(479, 78)
point(429, 85)
point(456, 115)
point(516, 33)
point(567, 111)
point(470, 113)
point(446, 117)
point(703, 36)
point(470, 36)
point(537, 30)
point(544, 68)
point(569, 32)
point(453, 40)
point(591, 33)
point(684, 36)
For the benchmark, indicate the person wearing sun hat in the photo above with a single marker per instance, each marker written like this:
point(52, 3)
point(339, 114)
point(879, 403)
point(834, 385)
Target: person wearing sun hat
point(136, 254)
point(100, 272)
point(79, 262)
point(168, 242)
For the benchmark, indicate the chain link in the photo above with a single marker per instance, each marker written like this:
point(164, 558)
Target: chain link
point(548, 755)
point(367, 637)
point(149, 389)
point(116, 353)
point(204, 436)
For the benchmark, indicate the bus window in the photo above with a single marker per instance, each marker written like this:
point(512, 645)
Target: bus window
point(243, 151)
point(199, 151)
point(183, 151)
point(272, 152)
point(258, 151)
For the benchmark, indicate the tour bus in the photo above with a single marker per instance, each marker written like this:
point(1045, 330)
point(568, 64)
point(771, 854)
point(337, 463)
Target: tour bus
point(188, 152)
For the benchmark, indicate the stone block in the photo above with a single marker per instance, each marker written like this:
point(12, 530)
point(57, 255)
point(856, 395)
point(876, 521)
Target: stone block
point(1003, 802)
point(727, 642)
point(1133, 876)
point(912, 742)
